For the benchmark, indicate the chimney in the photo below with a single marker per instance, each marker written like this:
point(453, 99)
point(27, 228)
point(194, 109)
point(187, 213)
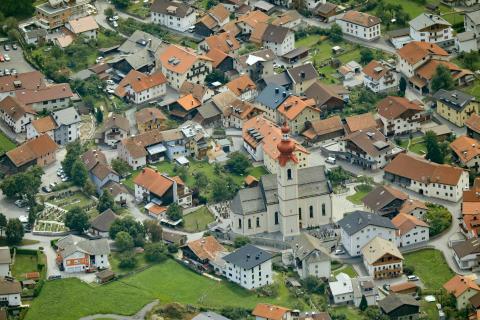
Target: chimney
point(277, 90)
point(302, 74)
point(284, 94)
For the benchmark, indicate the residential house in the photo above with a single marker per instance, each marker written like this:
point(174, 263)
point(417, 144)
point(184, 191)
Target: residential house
point(52, 15)
point(296, 111)
point(382, 259)
point(200, 92)
point(140, 88)
point(360, 25)
point(45, 125)
point(10, 292)
point(461, 77)
point(115, 129)
point(214, 19)
point(341, 290)
point(243, 87)
point(15, 114)
point(364, 286)
point(260, 139)
point(466, 42)
point(75, 254)
point(149, 119)
point(325, 130)
point(302, 77)
point(152, 146)
point(118, 192)
point(466, 151)
point(427, 178)
point(359, 227)
point(269, 99)
point(40, 151)
point(463, 288)
point(180, 64)
point(197, 139)
point(385, 200)
point(326, 11)
point(380, 76)
point(290, 19)
point(98, 169)
point(455, 106)
point(100, 225)
point(359, 122)
point(257, 64)
point(431, 28)
point(471, 22)
point(400, 116)
point(33, 36)
point(310, 258)
point(328, 98)
point(411, 230)
point(400, 306)
point(68, 125)
point(86, 27)
point(175, 15)
point(26, 81)
point(414, 207)
point(51, 97)
point(249, 267)
point(185, 107)
point(263, 311)
point(160, 189)
point(368, 148)
point(204, 253)
point(5, 262)
point(250, 21)
point(473, 126)
point(347, 290)
point(279, 39)
point(224, 41)
point(262, 209)
point(234, 111)
point(466, 253)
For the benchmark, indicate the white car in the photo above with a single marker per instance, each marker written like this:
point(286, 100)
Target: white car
point(110, 82)
point(99, 59)
point(412, 278)
point(115, 24)
point(331, 160)
point(339, 252)
point(7, 57)
point(115, 18)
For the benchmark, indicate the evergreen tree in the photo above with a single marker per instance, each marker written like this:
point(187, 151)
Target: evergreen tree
point(363, 303)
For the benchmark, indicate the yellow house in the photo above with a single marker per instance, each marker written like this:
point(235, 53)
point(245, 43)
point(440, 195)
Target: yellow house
point(455, 106)
point(296, 111)
point(463, 288)
point(150, 119)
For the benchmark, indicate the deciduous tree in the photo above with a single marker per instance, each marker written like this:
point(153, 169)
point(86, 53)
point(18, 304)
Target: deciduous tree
point(77, 219)
point(14, 232)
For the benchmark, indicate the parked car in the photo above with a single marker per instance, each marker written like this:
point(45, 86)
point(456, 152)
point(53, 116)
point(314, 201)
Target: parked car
point(331, 160)
point(2, 73)
point(7, 72)
point(115, 17)
point(20, 203)
point(2, 58)
point(14, 46)
point(339, 252)
point(6, 57)
point(13, 71)
point(99, 59)
point(115, 24)
point(412, 278)
point(55, 277)
point(65, 179)
point(110, 82)
point(6, 47)
point(191, 29)
point(386, 286)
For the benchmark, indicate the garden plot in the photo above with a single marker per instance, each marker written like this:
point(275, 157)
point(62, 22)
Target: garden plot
point(50, 221)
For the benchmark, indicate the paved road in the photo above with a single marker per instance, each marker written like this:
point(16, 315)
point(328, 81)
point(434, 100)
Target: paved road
point(140, 315)
point(17, 61)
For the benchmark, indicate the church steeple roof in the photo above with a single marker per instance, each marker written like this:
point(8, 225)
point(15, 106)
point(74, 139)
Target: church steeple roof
point(286, 147)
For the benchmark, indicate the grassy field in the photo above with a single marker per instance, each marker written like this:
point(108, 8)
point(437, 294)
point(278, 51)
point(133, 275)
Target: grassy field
point(347, 269)
point(114, 260)
point(361, 192)
point(24, 263)
point(350, 312)
point(5, 144)
point(430, 266)
point(417, 145)
point(197, 220)
point(71, 299)
point(473, 89)
point(430, 309)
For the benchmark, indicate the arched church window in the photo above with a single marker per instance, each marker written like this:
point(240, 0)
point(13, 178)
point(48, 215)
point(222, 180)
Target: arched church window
point(289, 174)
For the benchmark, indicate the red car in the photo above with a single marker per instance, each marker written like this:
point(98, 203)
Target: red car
point(2, 58)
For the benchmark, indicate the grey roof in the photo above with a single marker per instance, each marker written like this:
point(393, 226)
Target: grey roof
point(474, 16)
point(263, 5)
point(454, 99)
point(304, 72)
point(312, 182)
point(466, 36)
point(164, 6)
point(381, 196)
point(9, 287)
point(71, 244)
point(295, 52)
point(426, 20)
point(208, 110)
point(357, 220)
point(467, 247)
point(325, 8)
point(140, 40)
point(36, 33)
point(306, 246)
point(5, 257)
point(104, 220)
point(281, 79)
point(394, 301)
point(82, 75)
point(66, 116)
point(248, 257)
point(209, 315)
point(275, 34)
point(363, 286)
point(272, 96)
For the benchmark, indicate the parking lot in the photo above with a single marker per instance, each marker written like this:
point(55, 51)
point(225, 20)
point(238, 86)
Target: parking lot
point(17, 61)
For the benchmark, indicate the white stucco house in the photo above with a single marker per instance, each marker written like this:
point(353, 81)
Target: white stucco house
point(15, 114)
point(310, 258)
point(173, 14)
point(360, 25)
point(380, 76)
point(411, 230)
point(139, 88)
point(75, 254)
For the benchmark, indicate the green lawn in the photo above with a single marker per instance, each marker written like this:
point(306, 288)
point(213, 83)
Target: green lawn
point(417, 145)
point(430, 266)
point(430, 309)
point(114, 260)
point(5, 144)
point(350, 313)
point(347, 269)
point(169, 281)
point(138, 9)
point(361, 191)
point(24, 242)
point(473, 89)
point(198, 220)
point(24, 263)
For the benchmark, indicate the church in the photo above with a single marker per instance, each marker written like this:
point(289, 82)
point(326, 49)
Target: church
point(287, 202)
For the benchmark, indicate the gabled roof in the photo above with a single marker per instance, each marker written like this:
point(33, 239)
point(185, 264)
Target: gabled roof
point(360, 122)
point(465, 148)
point(304, 72)
point(206, 248)
point(241, 84)
point(275, 34)
point(188, 102)
point(153, 181)
point(459, 284)
point(377, 248)
point(116, 121)
point(406, 222)
point(454, 99)
point(32, 150)
point(217, 56)
point(51, 92)
point(219, 12)
point(287, 17)
point(44, 124)
point(23, 81)
point(252, 18)
point(322, 92)
point(360, 18)
point(224, 42)
point(355, 221)
point(324, 126)
point(428, 70)
point(272, 96)
point(307, 246)
point(138, 41)
point(172, 8)
point(467, 247)
point(474, 16)
point(377, 69)
point(9, 287)
point(14, 108)
point(180, 59)
point(66, 117)
point(149, 114)
point(209, 315)
point(395, 300)
point(415, 51)
point(103, 221)
point(293, 106)
point(426, 20)
point(393, 107)
point(248, 257)
point(419, 169)
point(381, 196)
point(411, 204)
point(139, 82)
point(473, 123)
point(371, 141)
point(84, 24)
point(269, 311)
point(93, 156)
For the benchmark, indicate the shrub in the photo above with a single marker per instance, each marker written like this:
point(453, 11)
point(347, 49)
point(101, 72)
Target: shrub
point(128, 260)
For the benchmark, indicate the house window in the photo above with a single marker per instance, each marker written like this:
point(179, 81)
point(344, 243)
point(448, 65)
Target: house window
point(239, 223)
point(249, 223)
point(300, 213)
point(258, 222)
point(323, 209)
point(289, 174)
point(276, 217)
point(311, 211)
